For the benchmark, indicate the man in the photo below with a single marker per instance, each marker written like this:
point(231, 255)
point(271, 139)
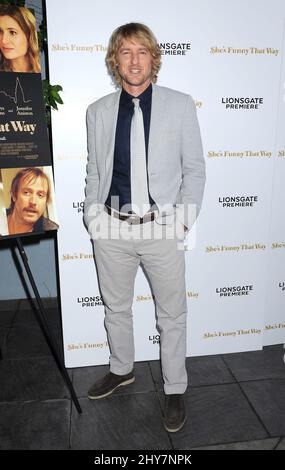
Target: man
point(30, 194)
point(145, 175)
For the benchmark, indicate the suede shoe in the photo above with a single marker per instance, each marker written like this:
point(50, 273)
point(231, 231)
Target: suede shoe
point(174, 414)
point(105, 386)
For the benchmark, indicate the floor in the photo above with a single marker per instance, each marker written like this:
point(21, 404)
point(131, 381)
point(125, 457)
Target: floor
point(234, 401)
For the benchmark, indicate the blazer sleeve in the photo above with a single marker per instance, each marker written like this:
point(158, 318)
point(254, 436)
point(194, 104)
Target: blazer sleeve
point(91, 206)
point(193, 167)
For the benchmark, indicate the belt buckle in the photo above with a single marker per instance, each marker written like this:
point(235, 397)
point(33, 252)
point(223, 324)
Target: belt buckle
point(132, 220)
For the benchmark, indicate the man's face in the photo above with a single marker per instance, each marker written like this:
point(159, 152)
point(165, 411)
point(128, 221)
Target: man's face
point(30, 202)
point(134, 65)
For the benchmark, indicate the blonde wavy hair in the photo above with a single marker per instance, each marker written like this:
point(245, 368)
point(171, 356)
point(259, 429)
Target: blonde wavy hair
point(141, 33)
point(27, 23)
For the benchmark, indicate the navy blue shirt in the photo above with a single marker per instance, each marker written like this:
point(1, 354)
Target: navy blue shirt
point(121, 179)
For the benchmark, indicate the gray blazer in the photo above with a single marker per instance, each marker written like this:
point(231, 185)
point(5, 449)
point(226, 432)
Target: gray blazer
point(176, 166)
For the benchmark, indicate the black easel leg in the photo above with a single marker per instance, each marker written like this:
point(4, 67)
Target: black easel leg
point(45, 328)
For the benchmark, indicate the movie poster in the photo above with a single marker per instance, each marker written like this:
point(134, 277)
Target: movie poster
point(23, 129)
point(27, 202)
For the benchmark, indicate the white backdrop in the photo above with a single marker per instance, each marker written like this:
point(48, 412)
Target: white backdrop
point(231, 52)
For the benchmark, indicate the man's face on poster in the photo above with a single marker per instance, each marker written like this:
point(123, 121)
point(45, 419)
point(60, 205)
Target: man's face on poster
point(31, 200)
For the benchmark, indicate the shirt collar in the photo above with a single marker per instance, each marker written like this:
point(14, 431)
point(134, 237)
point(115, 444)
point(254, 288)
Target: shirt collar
point(143, 97)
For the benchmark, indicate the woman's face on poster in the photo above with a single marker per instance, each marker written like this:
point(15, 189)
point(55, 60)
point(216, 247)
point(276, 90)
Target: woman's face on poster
point(13, 41)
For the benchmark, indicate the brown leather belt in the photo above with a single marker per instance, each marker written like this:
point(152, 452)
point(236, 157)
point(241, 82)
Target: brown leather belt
point(131, 219)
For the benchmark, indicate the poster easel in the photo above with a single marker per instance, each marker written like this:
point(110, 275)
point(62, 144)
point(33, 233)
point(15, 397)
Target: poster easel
point(41, 318)
point(26, 179)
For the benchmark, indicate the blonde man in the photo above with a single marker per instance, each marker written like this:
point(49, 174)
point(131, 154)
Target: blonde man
point(145, 183)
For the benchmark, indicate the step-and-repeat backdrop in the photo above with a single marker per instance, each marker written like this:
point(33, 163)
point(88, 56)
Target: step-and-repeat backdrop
point(229, 55)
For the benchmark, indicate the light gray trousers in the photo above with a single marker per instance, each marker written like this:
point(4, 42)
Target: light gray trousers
point(117, 257)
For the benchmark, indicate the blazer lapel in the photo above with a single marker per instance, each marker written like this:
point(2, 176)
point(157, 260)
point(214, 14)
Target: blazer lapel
point(109, 118)
point(157, 116)
point(158, 107)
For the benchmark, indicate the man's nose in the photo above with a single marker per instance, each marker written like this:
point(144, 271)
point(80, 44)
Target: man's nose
point(33, 200)
point(134, 58)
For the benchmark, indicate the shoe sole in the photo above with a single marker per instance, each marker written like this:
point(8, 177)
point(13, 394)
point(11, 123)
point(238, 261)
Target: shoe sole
point(175, 429)
point(127, 382)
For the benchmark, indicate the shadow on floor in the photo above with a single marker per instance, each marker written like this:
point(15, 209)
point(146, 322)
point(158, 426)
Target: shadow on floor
point(234, 401)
